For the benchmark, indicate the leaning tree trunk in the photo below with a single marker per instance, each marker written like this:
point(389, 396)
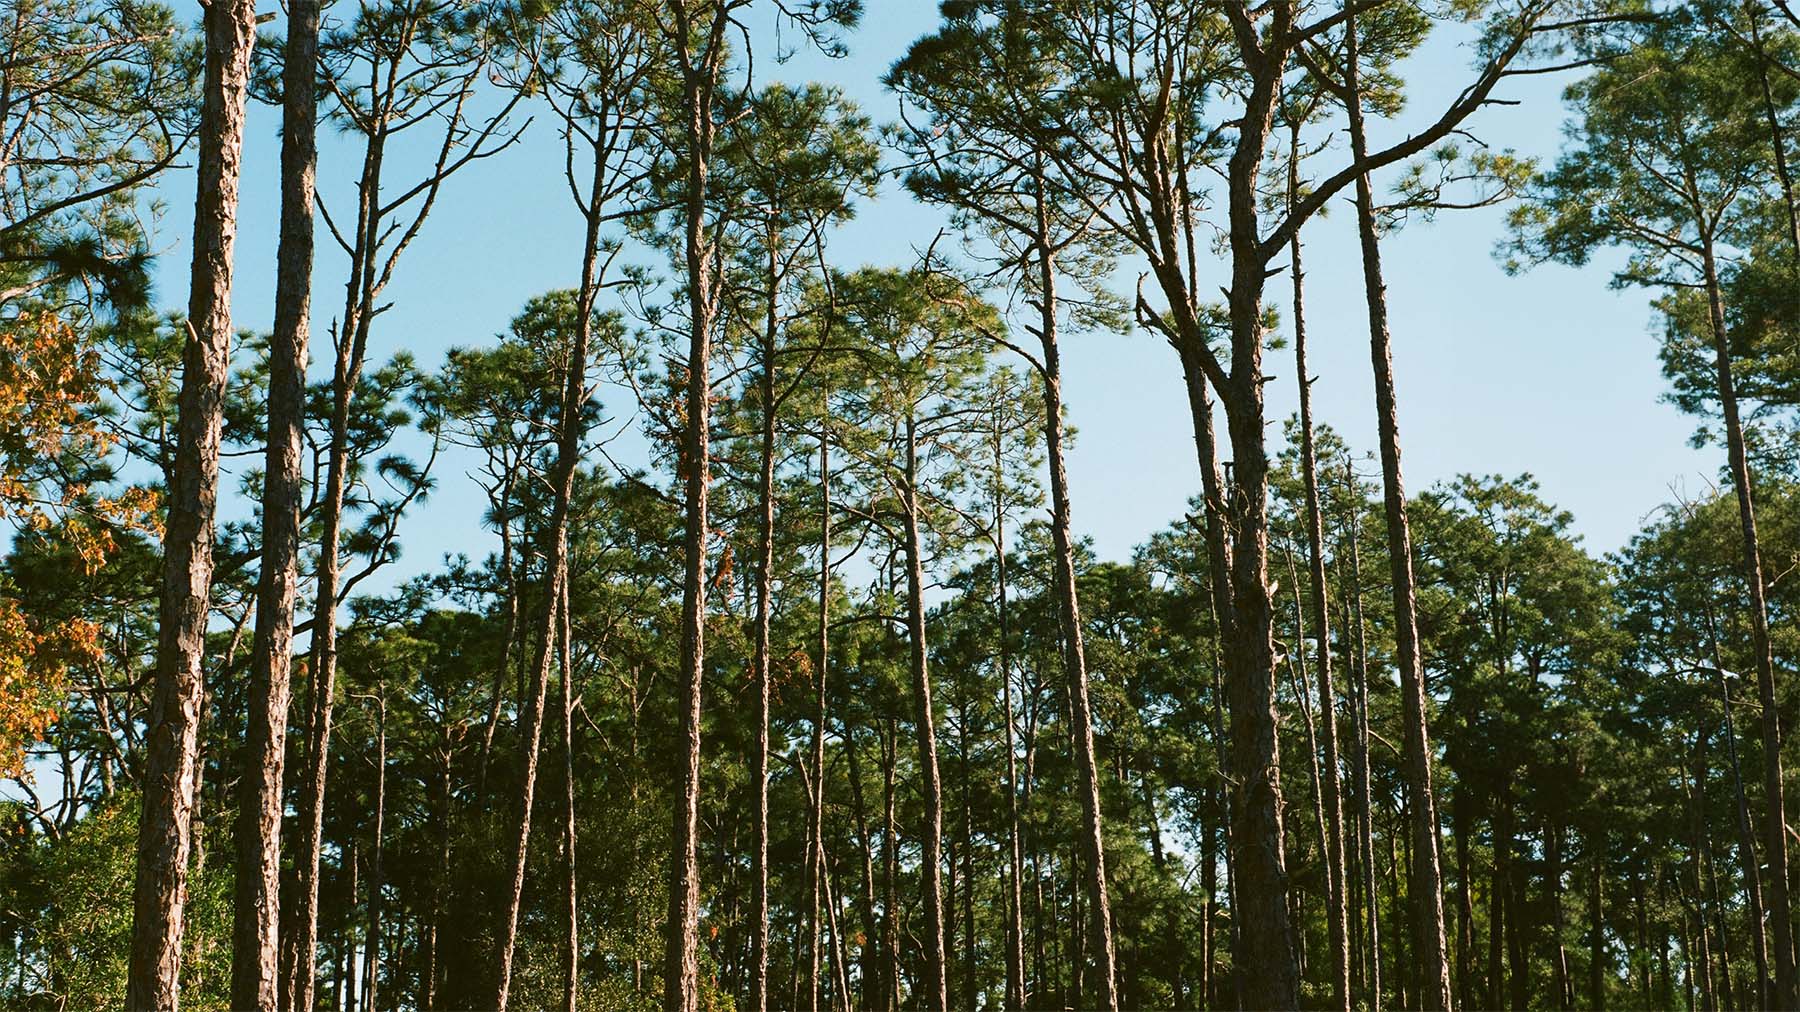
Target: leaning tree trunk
point(934, 988)
point(1430, 949)
point(256, 912)
point(165, 827)
point(1092, 839)
point(1337, 914)
point(818, 858)
point(1775, 841)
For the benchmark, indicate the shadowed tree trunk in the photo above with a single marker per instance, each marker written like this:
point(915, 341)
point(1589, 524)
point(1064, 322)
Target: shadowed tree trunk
point(171, 748)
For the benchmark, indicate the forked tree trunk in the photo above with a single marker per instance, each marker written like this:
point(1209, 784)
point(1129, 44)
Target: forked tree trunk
point(256, 911)
point(165, 826)
point(1430, 948)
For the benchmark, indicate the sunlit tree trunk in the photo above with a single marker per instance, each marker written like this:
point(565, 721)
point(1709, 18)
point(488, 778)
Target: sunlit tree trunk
point(256, 912)
point(165, 826)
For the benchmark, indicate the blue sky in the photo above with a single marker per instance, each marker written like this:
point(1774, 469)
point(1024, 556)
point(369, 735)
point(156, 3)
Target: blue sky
point(1551, 372)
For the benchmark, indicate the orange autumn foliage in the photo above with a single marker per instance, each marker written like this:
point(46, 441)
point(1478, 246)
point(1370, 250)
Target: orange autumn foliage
point(50, 383)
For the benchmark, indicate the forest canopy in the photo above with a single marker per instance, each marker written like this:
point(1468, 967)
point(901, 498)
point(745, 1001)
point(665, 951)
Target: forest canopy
point(730, 630)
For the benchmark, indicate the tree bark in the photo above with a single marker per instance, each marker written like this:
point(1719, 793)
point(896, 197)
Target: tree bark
point(699, 80)
point(1430, 949)
point(256, 911)
point(165, 827)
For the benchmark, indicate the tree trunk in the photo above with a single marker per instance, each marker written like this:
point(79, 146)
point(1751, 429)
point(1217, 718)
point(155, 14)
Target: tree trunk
point(1015, 912)
point(681, 971)
point(572, 913)
point(1336, 910)
point(1430, 949)
point(765, 564)
point(935, 991)
point(1093, 844)
point(819, 679)
point(165, 829)
point(372, 943)
point(568, 457)
point(1775, 836)
point(256, 912)
point(1363, 782)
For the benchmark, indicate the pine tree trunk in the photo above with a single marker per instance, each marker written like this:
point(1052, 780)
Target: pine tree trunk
point(681, 970)
point(572, 912)
point(1430, 949)
point(165, 827)
point(765, 564)
point(372, 944)
point(1336, 910)
point(1074, 658)
point(570, 427)
point(1363, 782)
point(1015, 906)
point(1774, 797)
point(256, 912)
point(1747, 859)
point(934, 992)
point(822, 671)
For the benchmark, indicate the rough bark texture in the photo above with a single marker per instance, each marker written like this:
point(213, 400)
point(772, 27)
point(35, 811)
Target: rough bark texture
point(681, 971)
point(1426, 894)
point(165, 828)
point(256, 913)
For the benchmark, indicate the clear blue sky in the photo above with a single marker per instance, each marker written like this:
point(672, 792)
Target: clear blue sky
point(1552, 372)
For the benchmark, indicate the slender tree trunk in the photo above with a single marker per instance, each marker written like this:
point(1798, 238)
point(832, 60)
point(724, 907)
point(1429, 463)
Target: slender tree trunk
point(1747, 859)
point(1336, 910)
point(1430, 948)
point(700, 76)
point(256, 913)
point(570, 427)
point(1093, 844)
point(819, 686)
point(165, 827)
point(1015, 912)
point(1364, 783)
point(765, 564)
point(372, 943)
point(572, 913)
point(1597, 968)
point(935, 992)
point(1774, 797)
